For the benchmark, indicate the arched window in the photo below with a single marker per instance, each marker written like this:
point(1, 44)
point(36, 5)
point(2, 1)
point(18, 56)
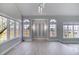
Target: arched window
point(53, 32)
point(26, 24)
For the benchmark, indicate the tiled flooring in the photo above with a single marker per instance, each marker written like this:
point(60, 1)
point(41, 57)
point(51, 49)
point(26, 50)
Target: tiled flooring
point(44, 48)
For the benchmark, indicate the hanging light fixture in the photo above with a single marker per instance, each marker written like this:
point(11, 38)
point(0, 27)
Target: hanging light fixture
point(40, 7)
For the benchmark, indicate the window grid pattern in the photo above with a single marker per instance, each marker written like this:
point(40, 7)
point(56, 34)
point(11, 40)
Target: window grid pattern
point(70, 31)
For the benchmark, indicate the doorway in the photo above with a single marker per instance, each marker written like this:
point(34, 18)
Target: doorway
point(40, 29)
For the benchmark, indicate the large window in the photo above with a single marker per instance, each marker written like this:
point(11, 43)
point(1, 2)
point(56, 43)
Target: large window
point(3, 29)
point(53, 28)
point(17, 29)
point(8, 29)
point(11, 29)
point(26, 24)
point(76, 31)
point(71, 31)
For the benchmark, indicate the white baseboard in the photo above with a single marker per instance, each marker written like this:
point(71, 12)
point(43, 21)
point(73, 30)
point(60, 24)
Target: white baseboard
point(10, 48)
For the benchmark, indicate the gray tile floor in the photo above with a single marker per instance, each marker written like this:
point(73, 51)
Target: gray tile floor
point(44, 48)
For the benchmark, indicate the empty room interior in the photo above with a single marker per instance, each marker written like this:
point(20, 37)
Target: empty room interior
point(39, 28)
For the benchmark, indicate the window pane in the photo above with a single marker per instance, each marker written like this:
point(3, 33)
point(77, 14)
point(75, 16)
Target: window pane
point(26, 25)
point(17, 29)
point(76, 27)
point(3, 29)
point(70, 31)
point(76, 31)
point(11, 29)
point(65, 31)
point(53, 30)
point(0, 23)
point(65, 27)
point(26, 31)
point(52, 21)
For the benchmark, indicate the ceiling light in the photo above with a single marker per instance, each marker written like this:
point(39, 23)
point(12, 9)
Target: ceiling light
point(40, 8)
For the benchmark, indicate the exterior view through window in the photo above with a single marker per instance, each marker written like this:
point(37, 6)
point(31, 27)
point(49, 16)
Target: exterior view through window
point(26, 32)
point(53, 28)
point(3, 29)
point(71, 31)
point(7, 29)
point(17, 29)
point(11, 29)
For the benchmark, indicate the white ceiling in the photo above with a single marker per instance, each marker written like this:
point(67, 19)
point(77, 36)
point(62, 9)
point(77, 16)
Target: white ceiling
point(49, 9)
point(31, 9)
point(10, 10)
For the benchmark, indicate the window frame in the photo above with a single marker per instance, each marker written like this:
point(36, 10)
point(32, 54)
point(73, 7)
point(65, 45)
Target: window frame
point(69, 30)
